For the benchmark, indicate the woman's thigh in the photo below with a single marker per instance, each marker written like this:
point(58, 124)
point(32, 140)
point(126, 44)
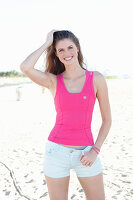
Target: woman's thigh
point(93, 187)
point(58, 187)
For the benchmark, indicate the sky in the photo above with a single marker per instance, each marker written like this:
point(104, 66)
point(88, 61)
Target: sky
point(104, 29)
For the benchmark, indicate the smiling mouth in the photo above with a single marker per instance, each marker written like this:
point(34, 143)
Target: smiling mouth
point(67, 59)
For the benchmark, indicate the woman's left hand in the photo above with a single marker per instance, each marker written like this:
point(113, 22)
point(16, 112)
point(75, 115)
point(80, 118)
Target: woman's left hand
point(88, 158)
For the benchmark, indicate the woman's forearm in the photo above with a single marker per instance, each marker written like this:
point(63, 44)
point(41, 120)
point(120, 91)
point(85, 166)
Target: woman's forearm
point(31, 60)
point(103, 132)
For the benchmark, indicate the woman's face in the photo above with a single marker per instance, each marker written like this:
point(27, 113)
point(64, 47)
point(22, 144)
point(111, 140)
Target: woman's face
point(66, 51)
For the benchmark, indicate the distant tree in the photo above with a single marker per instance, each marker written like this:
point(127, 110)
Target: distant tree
point(12, 73)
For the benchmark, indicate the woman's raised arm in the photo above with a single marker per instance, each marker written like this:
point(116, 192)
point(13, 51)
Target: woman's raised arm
point(27, 66)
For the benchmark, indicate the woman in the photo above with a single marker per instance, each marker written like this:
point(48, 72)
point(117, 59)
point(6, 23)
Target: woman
point(70, 144)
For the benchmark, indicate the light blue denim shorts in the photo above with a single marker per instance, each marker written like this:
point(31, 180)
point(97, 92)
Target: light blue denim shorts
point(59, 160)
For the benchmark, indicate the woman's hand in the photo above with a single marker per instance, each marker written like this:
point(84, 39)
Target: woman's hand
point(49, 39)
point(88, 158)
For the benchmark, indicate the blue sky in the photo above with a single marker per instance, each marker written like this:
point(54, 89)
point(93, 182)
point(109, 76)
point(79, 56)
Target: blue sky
point(104, 28)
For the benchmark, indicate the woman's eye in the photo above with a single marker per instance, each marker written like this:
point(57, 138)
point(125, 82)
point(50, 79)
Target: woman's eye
point(62, 49)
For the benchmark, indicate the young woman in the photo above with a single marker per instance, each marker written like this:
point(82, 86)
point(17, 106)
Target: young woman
point(70, 144)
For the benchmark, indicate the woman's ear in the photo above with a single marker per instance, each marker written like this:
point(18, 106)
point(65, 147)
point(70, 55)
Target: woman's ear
point(77, 49)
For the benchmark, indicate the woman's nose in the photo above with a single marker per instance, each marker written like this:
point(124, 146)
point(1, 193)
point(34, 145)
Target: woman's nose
point(67, 54)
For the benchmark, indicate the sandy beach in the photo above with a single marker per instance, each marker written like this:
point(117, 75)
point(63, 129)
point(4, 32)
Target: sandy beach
point(25, 123)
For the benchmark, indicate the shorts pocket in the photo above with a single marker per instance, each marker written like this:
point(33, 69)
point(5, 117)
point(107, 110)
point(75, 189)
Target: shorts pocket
point(51, 150)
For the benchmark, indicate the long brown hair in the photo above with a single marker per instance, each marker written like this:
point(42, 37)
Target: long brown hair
point(53, 64)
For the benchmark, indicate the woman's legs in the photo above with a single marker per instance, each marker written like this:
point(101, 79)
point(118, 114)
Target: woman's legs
point(93, 187)
point(58, 187)
point(58, 161)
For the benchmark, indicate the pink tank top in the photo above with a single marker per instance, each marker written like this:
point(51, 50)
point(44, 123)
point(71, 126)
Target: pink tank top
point(73, 114)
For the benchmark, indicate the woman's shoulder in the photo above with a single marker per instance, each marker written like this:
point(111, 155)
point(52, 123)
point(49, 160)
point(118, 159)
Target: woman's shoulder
point(98, 74)
point(99, 79)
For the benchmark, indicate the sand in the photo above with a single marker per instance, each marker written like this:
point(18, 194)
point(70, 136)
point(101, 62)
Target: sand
point(25, 123)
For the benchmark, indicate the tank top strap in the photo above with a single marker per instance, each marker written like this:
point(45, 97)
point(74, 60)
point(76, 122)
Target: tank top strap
point(88, 79)
point(91, 74)
point(59, 81)
point(58, 85)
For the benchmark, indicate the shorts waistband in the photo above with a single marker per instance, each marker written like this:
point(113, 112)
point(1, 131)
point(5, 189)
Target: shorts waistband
point(80, 148)
point(68, 149)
